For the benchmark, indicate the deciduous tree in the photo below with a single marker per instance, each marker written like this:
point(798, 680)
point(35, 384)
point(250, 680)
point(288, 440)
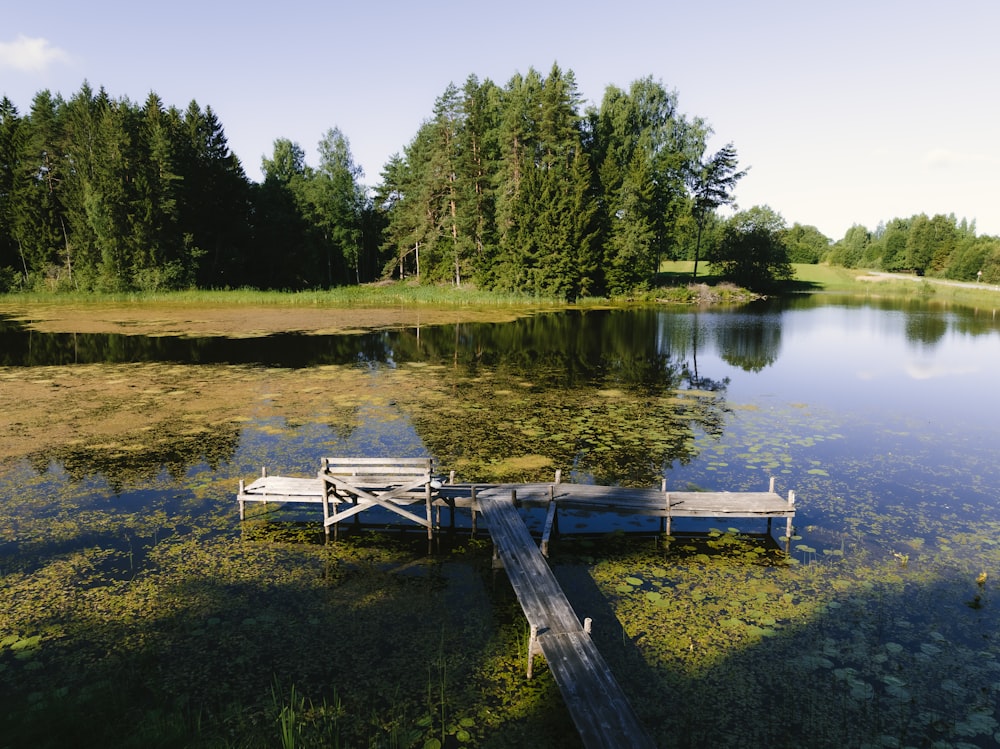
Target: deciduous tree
point(751, 253)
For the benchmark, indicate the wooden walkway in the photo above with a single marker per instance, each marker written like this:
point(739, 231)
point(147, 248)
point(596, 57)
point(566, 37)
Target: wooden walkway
point(600, 710)
point(555, 496)
point(602, 714)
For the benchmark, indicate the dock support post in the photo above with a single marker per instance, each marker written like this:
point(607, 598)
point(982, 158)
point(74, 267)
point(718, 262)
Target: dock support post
point(588, 624)
point(770, 487)
point(665, 521)
point(326, 499)
point(559, 475)
point(427, 501)
point(788, 523)
point(474, 506)
point(242, 503)
point(532, 648)
point(551, 522)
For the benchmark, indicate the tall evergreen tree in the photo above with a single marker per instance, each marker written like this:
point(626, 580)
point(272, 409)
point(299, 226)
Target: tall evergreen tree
point(166, 260)
point(79, 150)
point(12, 129)
point(477, 164)
point(286, 248)
point(215, 210)
point(39, 222)
point(415, 225)
point(545, 197)
point(517, 138)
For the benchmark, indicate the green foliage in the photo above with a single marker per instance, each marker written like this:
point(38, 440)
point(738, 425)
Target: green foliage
point(752, 251)
point(940, 246)
point(509, 188)
point(514, 188)
point(712, 182)
point(805, 244)
point(642, 149)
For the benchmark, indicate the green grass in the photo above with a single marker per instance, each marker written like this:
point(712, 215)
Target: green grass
point(675, 274)
point(367, 295)
point(818, 278)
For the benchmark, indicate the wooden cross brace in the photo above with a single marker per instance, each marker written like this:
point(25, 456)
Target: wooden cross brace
point(367, 499)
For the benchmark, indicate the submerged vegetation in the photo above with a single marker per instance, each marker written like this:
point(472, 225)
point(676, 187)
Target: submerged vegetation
point(136, 610)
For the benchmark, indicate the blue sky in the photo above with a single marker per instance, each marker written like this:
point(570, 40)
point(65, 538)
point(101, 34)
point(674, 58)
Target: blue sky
point(847, 112)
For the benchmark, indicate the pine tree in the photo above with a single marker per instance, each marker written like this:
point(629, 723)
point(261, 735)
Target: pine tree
point(78, 149)
point(12, 129)
point(280, 233)
point(215, 201)
point(518, 136)
point(712, 182)
point(167, 261)
point(39, 221)
point(477, 164)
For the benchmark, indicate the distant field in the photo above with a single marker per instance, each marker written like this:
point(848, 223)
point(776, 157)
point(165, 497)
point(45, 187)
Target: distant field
point(829, 278)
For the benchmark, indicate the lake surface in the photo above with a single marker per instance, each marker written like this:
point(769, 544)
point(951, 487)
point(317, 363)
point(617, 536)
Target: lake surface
point(883, 625)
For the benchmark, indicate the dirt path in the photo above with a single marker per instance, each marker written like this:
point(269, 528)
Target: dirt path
point(882, 276)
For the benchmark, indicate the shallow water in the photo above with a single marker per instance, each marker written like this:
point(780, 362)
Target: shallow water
point(880, 417)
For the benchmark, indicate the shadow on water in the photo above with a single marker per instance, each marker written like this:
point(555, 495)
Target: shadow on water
point(193, 642)
point(579, 345)
point(20, 347)
point(409, 648)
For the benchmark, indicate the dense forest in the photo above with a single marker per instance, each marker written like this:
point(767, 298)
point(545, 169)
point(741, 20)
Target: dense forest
point(512, 188)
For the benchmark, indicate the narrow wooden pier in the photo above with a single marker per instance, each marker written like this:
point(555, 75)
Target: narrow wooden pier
point(600, 711)
point(345, 487)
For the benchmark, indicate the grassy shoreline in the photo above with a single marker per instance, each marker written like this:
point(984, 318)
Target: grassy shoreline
point(675, 287)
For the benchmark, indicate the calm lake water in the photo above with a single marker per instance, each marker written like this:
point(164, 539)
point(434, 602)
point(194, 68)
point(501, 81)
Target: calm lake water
point(883, 417)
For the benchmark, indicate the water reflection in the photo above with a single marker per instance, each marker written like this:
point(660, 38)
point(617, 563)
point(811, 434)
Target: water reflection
point(878, 416)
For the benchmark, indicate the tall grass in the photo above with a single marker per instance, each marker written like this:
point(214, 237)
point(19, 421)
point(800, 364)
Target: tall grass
point(673, 282)
point(368, 295)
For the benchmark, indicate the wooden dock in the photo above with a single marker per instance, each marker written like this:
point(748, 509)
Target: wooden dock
point(555, 496)
point(600, 711)
point(599, 708)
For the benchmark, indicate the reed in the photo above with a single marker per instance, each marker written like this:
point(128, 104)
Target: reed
point(368, 295)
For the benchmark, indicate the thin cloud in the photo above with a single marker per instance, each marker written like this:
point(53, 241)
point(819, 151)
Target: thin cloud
point(924, 372)
point(938, 158)
point(30, 54)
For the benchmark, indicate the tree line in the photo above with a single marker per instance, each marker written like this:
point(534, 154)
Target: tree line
point(511, 188)
point(98, 193)
point(939, 246)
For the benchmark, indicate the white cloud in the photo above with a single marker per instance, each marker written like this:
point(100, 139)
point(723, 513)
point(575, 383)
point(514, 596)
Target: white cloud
point(923, 371)
point(30, 55)
point(943, 157)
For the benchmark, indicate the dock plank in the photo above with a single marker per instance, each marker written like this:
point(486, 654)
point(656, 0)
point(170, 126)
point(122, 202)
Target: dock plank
point(544, 603)
point(600, 711)
point(274, 487)
point(602, 714)
point(628, 500)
